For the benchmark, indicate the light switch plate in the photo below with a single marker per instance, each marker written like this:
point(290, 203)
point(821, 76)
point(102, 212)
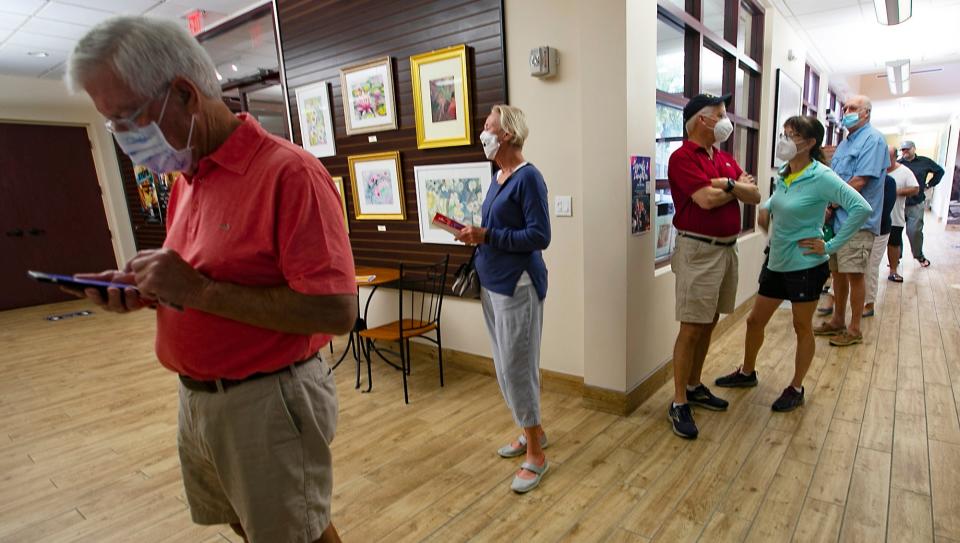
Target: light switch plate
point(563, 206)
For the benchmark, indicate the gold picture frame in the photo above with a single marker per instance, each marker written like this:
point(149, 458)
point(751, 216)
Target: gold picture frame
point(338, 184)
point(441, 97)
point(369, 104)
point(377, 181)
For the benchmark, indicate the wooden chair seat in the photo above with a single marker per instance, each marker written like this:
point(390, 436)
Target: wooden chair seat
point(391, 331)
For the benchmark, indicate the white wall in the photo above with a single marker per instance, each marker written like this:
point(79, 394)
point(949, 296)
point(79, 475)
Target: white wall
point(41, 101)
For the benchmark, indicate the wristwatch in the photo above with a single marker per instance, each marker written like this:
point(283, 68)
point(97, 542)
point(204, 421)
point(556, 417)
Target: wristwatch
point(730, 185)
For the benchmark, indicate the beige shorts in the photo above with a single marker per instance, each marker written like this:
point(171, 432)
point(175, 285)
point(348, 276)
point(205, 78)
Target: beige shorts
point(258, 454)
point(854, 255)
point(706, 280)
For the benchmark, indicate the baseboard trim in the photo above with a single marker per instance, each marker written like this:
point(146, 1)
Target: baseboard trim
point(596, 398)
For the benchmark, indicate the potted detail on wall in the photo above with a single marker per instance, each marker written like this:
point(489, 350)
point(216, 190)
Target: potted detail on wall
point(368, 101)
point(455, 191)
point(377, 186)
point(316, 120)
point(441, 97)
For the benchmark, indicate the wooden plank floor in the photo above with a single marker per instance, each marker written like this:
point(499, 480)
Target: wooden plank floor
point(88, 448)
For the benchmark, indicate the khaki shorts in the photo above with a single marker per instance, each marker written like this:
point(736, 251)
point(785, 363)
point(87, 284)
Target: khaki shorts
point(706, 280)
point(258, 454)
point(854, 255)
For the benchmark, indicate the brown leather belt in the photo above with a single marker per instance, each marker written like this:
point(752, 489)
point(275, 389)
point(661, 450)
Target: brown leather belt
point(711, 241)
point(221, 385)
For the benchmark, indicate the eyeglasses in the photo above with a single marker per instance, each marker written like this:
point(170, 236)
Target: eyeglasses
point(125, 124)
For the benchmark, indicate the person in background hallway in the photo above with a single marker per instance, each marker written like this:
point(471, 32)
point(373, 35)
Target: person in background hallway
point(509, 261)
point(872, 277)
point(907, 186)
point(861, 160)
point(796, 267)
point(928, 174)
point(258, 262)
point(707, 186)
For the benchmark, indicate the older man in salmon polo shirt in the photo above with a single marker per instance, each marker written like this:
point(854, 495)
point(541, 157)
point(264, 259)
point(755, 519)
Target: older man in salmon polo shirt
point(255, 274)
point(707, 185)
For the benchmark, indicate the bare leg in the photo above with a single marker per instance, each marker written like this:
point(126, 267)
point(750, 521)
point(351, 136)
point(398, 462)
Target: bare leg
point(700, 354)
point(763, 310)
point(806, 345)
point(858, 291)
point(841, 288)
point(684, 351)
point(535, 453)
point(893, 257)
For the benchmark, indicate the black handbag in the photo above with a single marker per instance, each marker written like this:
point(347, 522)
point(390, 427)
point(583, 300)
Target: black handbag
point(466, 284)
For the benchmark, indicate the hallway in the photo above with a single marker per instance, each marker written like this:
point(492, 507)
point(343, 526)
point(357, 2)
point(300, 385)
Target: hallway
point(88, 445)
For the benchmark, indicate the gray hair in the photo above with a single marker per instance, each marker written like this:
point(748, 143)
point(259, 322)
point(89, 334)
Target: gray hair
point(146, 53)
point(514, 122)
point(691, 122)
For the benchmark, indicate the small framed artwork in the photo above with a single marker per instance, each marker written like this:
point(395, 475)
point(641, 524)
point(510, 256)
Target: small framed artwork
point(377, 187)
point(454, 190)
point(368, 101)
point(338, 183)
point(316, 120)
point(441, 97)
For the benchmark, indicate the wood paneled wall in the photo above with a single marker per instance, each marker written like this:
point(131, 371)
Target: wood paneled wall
point(321, 36)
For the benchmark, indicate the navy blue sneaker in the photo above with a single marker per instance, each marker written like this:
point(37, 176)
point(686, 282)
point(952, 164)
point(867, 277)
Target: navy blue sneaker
point(702, 397)
point(682, 419)
point(789, 400)
point(737, 380)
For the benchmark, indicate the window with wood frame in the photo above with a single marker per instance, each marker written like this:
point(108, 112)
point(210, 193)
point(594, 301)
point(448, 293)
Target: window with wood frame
point(706, 46)
point(834, 114)
point(811, 91)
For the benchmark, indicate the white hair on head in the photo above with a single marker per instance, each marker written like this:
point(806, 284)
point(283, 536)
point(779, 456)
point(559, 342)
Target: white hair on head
point(691, 122)
point(514, 122)
point(865, 101)
point(146, 53)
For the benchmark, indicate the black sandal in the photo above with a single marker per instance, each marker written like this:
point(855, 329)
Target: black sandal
point(924, 263)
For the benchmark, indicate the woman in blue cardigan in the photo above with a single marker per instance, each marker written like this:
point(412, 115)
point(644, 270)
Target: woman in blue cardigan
point(513, 277)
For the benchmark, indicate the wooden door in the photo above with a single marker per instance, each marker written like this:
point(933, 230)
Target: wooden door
point(52, 216)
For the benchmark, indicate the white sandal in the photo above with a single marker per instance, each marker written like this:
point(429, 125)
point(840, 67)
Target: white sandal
point(522, 486)
point(508, 451)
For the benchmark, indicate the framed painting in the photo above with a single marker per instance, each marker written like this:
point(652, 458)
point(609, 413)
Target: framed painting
point(338, 184)
point(454, 190)
point(441, 97)
point(377, 186)
point(789, 100)
point(368, 101)
point(316, 120)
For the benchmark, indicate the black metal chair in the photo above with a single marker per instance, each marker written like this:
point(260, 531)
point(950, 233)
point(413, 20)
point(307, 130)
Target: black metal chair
point(420, 290)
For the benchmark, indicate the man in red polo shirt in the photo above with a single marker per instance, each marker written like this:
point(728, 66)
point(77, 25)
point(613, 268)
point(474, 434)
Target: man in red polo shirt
point(707, 186)
point(255, 274)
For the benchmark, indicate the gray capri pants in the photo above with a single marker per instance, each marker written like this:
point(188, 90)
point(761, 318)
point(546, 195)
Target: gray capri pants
point(515, 324)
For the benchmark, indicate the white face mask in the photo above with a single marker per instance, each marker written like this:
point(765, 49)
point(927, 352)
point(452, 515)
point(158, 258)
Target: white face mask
point(146, 146)
point(490, 144)
point(786, 149)
point(723, 129)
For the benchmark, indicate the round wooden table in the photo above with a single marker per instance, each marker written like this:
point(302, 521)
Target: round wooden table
point(367, 276)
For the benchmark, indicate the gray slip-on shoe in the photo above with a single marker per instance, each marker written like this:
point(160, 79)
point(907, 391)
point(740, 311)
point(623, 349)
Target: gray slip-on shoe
point(522, 486)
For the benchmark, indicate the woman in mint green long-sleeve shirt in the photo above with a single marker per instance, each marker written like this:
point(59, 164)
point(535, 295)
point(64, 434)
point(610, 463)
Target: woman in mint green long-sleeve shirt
point(796, 266)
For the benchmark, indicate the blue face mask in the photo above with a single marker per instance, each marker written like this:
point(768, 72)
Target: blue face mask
point(850, 119)
point(147, 146)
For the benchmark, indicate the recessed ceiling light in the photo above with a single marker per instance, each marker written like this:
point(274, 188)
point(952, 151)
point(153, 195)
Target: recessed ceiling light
point(219, 77)
point(233, 67)
point(38, 54)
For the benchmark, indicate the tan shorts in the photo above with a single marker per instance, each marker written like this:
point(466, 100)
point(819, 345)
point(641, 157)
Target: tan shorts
point(854, 255)
point(258, 454)
point(706, 280)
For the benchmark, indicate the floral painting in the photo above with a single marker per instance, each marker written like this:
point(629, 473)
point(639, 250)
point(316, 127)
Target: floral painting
point(316, 121)
point(377, 187)
point(368, 101)
point(443, 99)
point(454, 190)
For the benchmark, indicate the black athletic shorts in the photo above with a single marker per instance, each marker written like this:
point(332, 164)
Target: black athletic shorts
point(796, 286)
point(896, 237)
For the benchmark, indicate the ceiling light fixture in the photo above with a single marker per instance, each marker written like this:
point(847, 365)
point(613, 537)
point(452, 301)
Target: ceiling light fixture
point(219, 77)
point(38, 54)
point(893, 12)
point(233, 67)
point(898, 76)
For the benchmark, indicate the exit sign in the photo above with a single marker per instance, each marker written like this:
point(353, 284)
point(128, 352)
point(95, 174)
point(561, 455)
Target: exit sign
point(195, 21)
